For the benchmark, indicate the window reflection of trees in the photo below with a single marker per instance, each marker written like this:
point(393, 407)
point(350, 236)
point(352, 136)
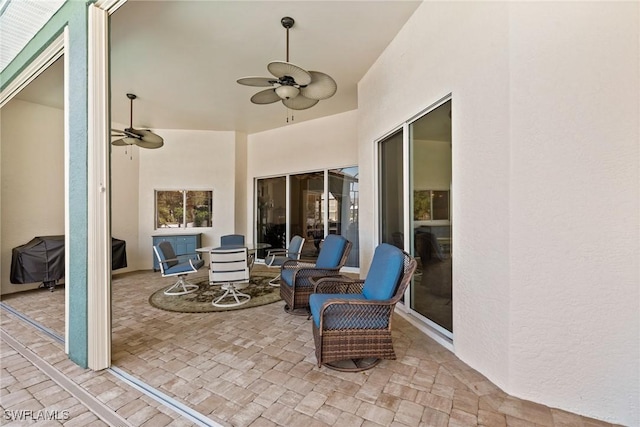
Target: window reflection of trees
point(183, 208)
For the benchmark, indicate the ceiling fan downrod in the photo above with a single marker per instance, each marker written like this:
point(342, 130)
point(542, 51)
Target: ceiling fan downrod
point(131, 96)
point(287, 22)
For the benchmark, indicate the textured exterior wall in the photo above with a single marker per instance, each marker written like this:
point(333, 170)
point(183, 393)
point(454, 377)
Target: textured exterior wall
point(545, 188)
point(457, 48)
point(574, 217)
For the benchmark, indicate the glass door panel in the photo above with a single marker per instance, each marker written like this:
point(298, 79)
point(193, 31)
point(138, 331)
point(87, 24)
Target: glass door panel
point(343, 209)
point(391, 190)
point(430, 185)
point(271, 213)
point(306, 211)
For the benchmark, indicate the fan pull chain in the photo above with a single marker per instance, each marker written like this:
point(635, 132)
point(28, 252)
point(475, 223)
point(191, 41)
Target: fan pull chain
point(292, 118)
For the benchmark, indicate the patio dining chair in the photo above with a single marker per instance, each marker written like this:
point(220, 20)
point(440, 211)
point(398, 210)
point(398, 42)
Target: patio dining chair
point(296, 276)
point(229, 268)
point(352, 318)
point(177, 265)
point(276, 257)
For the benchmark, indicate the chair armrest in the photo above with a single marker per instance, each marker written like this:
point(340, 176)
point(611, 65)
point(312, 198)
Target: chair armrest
point(190, 255)
point(272, 254)
point(338, 285)
point(310, 272)
point(349, 314)
point(294, 264)
point(180, 257)
point(280, 251)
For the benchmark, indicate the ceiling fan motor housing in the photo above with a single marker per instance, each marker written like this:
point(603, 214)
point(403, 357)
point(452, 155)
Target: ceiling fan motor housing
point(287, 22)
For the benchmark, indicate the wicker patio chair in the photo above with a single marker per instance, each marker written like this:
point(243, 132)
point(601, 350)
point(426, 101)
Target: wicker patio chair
point(295, 276)
point(352, 318)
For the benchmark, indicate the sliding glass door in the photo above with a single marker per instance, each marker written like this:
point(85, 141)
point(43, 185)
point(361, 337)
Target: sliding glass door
point(415, 192)
point(311, 205)
point(307, 211)
point(343, 198)
point(271, 218)
point(430, 190)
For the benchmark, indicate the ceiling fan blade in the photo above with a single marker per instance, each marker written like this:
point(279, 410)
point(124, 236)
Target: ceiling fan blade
point(268, 96)
point(257, 81)
point(322, 86)
point(147, 139)
point(299, 102)
point(281, 69)
point(124, 141)
point(150, 144)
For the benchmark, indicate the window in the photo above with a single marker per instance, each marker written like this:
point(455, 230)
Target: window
point(430, 205)
point(183, 208)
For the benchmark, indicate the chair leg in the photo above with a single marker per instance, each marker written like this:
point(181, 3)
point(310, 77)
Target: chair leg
point(231, 291)
point(275, 282)
point(181, 287)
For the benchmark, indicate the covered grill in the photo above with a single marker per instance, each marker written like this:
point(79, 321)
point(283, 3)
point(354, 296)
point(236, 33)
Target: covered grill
point(42, 260)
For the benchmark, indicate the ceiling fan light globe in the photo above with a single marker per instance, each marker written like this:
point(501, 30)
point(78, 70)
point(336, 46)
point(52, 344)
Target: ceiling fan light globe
point(287, 92)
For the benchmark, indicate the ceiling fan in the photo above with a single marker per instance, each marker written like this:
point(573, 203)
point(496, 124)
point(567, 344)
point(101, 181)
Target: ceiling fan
point(143, 138)
point(297, 88)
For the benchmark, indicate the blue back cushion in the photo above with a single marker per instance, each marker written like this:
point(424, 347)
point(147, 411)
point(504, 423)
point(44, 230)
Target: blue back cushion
point(385, 271)
point(331, 251)
point(232, 239)
point(294, 246)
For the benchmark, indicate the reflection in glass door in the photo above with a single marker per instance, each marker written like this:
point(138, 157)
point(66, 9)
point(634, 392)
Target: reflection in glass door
point(429, 192)
point(306, 211)
point(271, 212)
point(343, 209)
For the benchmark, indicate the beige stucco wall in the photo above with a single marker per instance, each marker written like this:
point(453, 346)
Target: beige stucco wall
point(195, 160)
point(32, 178)
point(546, 188)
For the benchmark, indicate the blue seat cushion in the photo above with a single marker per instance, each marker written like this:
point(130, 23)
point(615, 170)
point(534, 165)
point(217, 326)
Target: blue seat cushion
point(316, 301)
point(184, 267)
point(385, 271)
point(331, 251)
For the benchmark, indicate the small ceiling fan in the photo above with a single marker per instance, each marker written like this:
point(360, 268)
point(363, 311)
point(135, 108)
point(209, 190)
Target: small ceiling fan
point(143, 138)
point(297, 88)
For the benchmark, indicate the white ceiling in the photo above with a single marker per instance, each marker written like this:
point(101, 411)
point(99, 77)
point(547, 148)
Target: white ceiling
point(182, 58)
